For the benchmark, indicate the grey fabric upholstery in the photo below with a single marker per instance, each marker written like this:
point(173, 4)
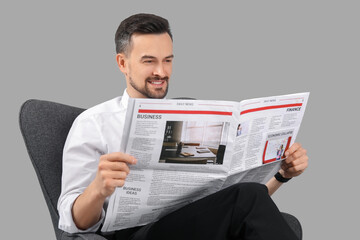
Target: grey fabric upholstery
point(294, 224)
point(44, 126)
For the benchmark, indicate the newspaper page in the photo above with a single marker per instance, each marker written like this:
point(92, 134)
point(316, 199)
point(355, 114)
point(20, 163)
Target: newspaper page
point(188, 149)
point(267, 128)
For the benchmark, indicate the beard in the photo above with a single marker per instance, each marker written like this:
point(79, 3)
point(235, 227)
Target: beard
point(147, 91)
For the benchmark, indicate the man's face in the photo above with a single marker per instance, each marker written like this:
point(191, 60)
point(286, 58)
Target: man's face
point(148, 65)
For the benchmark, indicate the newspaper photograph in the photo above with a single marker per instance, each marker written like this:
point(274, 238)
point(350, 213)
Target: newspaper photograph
point(192, 142)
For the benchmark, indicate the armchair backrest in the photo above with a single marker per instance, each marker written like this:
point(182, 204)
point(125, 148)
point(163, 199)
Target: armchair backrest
point(44, 126)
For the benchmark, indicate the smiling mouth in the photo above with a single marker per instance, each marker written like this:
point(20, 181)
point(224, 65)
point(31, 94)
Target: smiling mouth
point(157, 83)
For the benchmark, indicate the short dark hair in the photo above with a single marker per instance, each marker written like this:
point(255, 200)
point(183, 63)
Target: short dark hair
point(143, 23)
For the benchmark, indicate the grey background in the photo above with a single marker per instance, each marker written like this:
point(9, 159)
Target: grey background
point(63, 51)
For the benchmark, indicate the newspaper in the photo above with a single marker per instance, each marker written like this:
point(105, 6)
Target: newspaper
point(188, 149)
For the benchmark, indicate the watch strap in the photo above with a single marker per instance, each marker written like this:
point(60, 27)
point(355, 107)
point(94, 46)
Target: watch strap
point(280, 178)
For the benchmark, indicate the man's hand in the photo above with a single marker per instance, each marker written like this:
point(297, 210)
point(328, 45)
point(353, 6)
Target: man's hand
point(296, 161)
point(112, 172)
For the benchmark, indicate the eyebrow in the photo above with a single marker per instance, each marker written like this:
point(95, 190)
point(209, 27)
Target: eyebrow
point(152, 57)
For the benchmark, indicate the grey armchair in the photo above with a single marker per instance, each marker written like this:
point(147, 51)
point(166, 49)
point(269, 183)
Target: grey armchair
point(44, 126)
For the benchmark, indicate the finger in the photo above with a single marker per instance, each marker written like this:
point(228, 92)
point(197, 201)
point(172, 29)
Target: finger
point(119, 175)
point(119, 157)
point(112, 183)
point(297, 169)
point(120, 166)
point(296, 155)
point(285, 166)
point(119, 182)
point(292, 149)
point(114, 166)
point(296, 162)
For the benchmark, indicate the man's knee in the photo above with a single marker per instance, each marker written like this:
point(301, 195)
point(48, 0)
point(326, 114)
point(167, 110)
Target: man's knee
point(251, 189)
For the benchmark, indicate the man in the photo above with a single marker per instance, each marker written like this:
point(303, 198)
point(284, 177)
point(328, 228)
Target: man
point(93, 167)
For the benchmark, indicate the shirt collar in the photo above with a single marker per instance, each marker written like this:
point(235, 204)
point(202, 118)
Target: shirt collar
point(125, 99)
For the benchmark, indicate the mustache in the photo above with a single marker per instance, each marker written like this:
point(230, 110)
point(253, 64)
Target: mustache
point(157, 78)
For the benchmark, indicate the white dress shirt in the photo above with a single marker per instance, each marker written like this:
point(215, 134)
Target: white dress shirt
point(95, 132)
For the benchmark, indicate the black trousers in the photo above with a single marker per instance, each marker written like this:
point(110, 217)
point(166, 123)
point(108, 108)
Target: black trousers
point(242, 211)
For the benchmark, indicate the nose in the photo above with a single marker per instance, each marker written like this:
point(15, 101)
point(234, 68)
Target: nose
point(159, 70)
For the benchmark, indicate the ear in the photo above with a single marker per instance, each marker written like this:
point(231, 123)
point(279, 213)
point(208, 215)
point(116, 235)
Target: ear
point(122, 62)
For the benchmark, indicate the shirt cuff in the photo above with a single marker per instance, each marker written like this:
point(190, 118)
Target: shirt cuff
point(66, 221)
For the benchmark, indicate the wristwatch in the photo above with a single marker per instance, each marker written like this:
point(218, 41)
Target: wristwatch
point(280, 178)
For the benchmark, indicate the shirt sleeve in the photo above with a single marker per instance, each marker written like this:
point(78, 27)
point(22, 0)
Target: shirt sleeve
point(82, 150)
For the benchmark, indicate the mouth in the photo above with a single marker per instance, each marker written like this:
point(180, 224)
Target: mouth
point(157, 83)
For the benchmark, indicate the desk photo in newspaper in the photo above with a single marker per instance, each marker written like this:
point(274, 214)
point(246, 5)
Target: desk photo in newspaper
point(188, 149)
